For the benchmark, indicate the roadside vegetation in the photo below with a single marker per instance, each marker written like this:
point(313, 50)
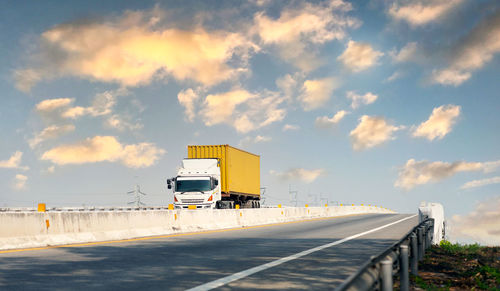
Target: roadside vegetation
point(458, 267)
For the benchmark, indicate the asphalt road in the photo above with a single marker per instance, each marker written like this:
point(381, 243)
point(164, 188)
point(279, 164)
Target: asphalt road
point(188, 261)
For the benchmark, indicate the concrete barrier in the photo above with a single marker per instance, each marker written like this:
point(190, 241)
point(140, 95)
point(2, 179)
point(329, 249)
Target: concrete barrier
point(39, 229)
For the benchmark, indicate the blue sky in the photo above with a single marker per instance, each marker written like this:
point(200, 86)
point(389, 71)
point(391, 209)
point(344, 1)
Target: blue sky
point(375, 102)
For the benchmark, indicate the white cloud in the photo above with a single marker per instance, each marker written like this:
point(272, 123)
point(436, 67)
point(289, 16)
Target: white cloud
point(247, 141)
point(450, 77)
point(288, 127)
point(132, 50)
point(306, 176)
point(187, 99)
point(315, 23)
point(327, 122)
point(473, 52)
point(122, 123)
point(421, 12)
point(141, 155)
point(416, 173)
point(396, 75)
point(480, 183)
point(53, 104)
point(481, 224)
point(439, 123)
point(315, 93)
point(220, 108)
point(14, 162)
point(26, 78)
point(57, 112)
point(406, 54)
point(358, 100)
point(359, 56)
point(50, 132)
point(20, 182)
point(105, 149)
point(372, 131)
point(60, 109)
point(51, 169)
point(243, 110)
point(299, 29)
point(51, 110)
point(102, 104)
point(288, 84)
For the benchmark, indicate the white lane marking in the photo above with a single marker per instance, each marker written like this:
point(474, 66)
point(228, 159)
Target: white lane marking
point(236, 276)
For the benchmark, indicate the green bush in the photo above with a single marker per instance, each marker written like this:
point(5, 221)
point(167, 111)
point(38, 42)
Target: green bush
point(458, 248)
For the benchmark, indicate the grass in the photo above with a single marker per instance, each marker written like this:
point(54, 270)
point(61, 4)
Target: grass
point(455, 248)
point(452, 266)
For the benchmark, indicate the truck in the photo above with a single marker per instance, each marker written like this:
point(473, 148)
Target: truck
point(217, 176)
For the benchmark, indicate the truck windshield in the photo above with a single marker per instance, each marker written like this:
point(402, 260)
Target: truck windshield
point(192, 185)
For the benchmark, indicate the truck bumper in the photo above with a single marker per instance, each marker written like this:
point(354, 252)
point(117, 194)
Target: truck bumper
point(198, 206)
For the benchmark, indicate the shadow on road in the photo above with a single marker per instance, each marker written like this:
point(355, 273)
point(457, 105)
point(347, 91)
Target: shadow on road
point(177, 264)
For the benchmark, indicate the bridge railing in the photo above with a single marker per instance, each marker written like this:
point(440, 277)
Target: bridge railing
point(399, 259)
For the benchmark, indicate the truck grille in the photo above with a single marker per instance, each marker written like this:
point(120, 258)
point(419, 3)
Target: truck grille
point(192, 201)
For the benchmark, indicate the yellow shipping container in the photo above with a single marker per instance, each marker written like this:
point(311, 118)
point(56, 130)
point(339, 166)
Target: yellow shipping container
point(240, 170)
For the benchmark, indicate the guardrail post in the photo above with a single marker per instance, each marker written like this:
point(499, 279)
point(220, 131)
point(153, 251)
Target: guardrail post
point(403, 271)
point(425, 235)
point(414, 254)
point(420, 240)
point(386, 275)
point(430, 234)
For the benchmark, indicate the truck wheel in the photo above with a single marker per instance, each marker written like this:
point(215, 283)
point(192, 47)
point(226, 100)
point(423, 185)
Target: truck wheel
point(231, 205)
point(258, 204)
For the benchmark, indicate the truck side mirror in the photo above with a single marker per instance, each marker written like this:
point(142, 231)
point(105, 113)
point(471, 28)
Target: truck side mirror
point(169, 186)
point(216, 182)
point(169, 181)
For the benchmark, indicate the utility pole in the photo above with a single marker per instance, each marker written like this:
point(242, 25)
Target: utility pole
point(262, 197)
point(137, 196)
point(292, 195)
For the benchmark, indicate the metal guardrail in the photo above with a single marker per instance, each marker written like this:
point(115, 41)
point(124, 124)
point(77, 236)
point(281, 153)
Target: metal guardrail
point(81, 209)
point(400, 258)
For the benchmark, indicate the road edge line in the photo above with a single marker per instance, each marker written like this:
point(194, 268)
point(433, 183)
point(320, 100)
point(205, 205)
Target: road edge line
point(242, 274)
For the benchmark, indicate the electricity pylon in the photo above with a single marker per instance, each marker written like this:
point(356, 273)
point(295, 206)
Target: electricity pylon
point(137, 195)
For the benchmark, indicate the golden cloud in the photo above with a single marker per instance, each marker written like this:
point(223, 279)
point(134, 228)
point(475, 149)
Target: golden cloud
point(422, 172)
point(358, 100)
point(372, 131)
point(129, 50)
point(105, 149)
point(315, 93)
point(299, 29)
point(326, 122)
point(14, 162)
point(50, 132)
point(418, 13)
point(473, 52)
point(359, 56)
point(439, 123)
point(243, 110)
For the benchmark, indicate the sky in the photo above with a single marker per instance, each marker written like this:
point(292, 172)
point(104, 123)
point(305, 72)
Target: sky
point(381, 102)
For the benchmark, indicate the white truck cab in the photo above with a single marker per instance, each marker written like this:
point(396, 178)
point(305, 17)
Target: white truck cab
point(196, 184)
